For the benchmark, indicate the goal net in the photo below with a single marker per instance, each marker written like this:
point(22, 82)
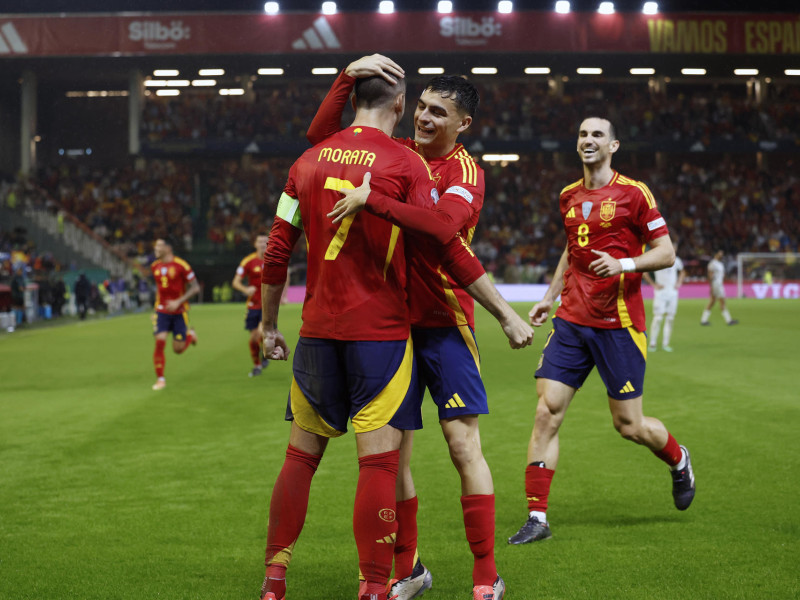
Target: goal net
point(768, 275)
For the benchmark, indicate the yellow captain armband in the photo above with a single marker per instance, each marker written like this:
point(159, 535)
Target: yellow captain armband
point(289, 210)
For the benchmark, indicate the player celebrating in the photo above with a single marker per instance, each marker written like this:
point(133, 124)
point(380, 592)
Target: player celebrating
point(666, 283)
point(442, 313)
point(354, 358)
point(608, 219)
point(716, 280)
point(175, 283)
point(250, 269)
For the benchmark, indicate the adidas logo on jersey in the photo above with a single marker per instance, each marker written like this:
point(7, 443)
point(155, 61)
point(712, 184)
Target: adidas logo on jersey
point(10, 42)
point(317, 37)
point(571, 213)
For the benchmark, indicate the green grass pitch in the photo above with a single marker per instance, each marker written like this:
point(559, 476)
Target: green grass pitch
point(109, 490)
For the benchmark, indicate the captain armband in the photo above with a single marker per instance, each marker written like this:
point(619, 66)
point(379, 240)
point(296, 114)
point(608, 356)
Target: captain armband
point(289, 210)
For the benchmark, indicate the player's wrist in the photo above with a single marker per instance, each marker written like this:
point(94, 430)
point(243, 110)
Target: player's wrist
point(627, 264)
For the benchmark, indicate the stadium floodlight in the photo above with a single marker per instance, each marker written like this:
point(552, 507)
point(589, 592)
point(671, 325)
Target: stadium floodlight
point(505, 7)
point(168, 92)
point(563, 7)
point(792, 72)
point(643, 71)
point(329, 8)
point(155, 83)
point(430, 70)
point(745, 71)
point(693, 71)
point(271, 8)
point(444, 6)
point(650, 8)
point(270, 71)
point(178, 83)
point(606, 8)
point(500, 157)
point(589, 71)
point(204, 82)
point(537, 70)
point(386, 7)
point(324, 71)
point(231, 92)
point(484, 70)
point(211, 72)
point(166, 73)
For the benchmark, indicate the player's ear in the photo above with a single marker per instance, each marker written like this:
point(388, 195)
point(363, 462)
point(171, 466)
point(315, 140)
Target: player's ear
point(466, 121)
point(613, 146)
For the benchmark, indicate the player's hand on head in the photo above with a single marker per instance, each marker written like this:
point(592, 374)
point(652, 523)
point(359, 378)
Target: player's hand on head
point(375, 64)
point(605, 265)
point(352, 201)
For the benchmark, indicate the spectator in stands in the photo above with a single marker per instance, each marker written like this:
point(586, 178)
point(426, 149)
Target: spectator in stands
point(83, 291)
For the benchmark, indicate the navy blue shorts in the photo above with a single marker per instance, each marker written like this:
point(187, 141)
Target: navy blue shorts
point(450, 367)
point(370, 383)
point(252, 319)
point(572, 351)
point(177, 324)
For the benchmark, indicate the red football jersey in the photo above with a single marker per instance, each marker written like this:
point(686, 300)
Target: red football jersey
point(435, 299)
point(171, 279)
point(250, 268)
point(356, 269)
point(620, 219)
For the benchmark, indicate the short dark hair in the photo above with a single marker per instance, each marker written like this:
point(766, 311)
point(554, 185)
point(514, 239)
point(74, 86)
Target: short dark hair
point(612, 131)
point(167, 240)
point(376, 92)
point(464, 94)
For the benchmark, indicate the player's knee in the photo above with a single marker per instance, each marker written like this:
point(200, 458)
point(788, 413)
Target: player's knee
point(630, 431)
point(464, 451)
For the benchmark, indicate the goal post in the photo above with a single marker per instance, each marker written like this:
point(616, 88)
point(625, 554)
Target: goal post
point(768, 274)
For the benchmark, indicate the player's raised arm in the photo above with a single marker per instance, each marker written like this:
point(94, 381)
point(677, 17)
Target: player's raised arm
point(328, 119)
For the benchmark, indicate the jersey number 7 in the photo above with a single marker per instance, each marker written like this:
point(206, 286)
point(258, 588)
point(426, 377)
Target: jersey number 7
point(331, 183)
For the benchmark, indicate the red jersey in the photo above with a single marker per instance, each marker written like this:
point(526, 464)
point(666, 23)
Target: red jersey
point(436, 300)
point(620, 219)
point(356, 275)
point(250, 268)
point(171, 279)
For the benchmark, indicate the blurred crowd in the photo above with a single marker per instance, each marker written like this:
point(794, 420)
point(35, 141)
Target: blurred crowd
point(511, 110)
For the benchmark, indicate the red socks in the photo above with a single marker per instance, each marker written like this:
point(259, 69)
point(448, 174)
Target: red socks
point(406, 547)
point(537, 487)
point(479, 525)
point(287, 509)
point(158, 357)
point(375, 519)
point(671, 453)
point(254, 352)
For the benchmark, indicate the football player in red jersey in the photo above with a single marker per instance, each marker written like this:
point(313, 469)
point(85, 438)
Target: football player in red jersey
point(250, 269)
point(608, 219)
point(175, 284)
point(442, 312)
point(354, 359)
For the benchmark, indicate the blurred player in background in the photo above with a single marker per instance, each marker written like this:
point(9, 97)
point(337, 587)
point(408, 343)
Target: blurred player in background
point(354, 359)
point(716, 281)
point(250, 269)
point(175, 283)
point(608, 218)
point(666, 283)
point(442, 313)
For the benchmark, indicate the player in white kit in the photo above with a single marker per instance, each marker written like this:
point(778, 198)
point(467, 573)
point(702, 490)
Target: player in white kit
point(716, 278)
point(665, 302)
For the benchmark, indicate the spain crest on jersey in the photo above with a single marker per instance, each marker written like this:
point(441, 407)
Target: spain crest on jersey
point(172, 272)
point(607, 209)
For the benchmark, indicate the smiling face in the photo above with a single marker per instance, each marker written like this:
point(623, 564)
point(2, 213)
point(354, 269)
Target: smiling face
point(437, 123)
point(596, 142)
point(161, 249)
